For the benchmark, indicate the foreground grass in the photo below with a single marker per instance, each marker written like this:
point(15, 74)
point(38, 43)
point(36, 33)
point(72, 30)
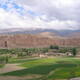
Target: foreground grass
point(50, 68)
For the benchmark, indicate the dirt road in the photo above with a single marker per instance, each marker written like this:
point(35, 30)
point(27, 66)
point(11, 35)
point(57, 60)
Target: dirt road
point(10, 67)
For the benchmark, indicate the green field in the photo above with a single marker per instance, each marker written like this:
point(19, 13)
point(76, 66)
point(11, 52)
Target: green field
point(1, 65)
point(49, 68)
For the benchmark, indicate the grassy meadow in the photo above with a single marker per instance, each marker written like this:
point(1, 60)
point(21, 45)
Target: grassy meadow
point(49, 68)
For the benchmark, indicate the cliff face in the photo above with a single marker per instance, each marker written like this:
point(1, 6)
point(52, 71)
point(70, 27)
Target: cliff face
point(26, 41)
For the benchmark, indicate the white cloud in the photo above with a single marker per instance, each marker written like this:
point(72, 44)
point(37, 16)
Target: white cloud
point(13, 20)
point(64, 14)
point(53, 14)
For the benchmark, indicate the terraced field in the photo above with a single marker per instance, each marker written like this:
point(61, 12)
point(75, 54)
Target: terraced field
point(47, 69)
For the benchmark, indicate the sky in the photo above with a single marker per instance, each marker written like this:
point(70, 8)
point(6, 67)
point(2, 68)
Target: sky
point(45, 14)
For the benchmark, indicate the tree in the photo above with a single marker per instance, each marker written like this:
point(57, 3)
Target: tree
point(2, 59)
point(54, 47)
point(45, 50)
point(63, 50)
point(74, 51)
point(6, 59)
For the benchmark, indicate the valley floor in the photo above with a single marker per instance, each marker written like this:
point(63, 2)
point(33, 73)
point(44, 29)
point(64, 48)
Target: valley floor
point(56, 68)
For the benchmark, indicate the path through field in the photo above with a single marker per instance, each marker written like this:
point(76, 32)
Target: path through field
point(75, 79)
point(10, 67)
point(19, 78)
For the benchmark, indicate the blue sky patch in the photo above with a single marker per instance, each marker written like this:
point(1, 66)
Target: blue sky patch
point(19, 9)
point(32, 13)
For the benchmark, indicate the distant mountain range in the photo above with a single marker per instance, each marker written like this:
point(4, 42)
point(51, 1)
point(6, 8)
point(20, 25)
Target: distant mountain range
point(38, 30)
